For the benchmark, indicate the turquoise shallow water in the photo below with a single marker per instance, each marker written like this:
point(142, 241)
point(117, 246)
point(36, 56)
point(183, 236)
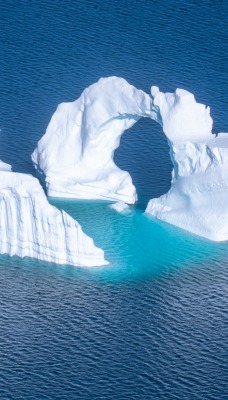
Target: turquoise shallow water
point(138, 246)
point(152, 324)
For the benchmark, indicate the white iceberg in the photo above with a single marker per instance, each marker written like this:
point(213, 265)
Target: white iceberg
point(197, 200)
point(76, 154)
point(120, 206)
point(31, 227)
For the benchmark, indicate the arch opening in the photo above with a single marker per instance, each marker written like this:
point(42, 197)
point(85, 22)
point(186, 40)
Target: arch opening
point(144, 153)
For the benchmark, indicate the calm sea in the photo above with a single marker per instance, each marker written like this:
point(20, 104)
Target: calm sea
point(152, 324)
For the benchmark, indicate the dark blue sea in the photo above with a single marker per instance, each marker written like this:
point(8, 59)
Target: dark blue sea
point(153, 324)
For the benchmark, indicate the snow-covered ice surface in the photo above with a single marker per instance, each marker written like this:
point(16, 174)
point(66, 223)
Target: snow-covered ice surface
point(76, 154)
point(31, 227)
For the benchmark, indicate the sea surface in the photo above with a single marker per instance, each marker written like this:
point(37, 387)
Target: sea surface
point(153, 324)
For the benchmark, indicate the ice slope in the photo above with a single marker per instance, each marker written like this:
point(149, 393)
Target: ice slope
point(30, 226)
point(76, 153)
point(198, 198)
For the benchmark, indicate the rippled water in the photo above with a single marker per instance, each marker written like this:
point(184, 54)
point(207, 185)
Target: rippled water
point(153, 324)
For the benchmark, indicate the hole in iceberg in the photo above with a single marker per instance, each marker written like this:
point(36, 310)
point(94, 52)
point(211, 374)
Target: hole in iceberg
point(144, 153)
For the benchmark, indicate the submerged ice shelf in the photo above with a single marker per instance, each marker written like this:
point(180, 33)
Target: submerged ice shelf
point(31, 227)
point(75, 155)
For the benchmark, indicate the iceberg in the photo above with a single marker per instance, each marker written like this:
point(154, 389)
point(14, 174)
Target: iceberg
point(75, 155)
point(31, 227)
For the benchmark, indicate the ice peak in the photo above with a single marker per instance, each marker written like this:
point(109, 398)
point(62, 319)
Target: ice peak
point(181, 117)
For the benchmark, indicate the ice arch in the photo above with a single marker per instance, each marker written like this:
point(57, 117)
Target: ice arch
point(76, 153)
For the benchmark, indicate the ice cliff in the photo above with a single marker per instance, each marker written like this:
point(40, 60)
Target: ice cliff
point(31, 227)
point(76, 153)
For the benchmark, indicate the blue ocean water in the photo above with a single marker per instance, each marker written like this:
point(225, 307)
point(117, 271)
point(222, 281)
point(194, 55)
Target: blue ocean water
point(152, 324)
